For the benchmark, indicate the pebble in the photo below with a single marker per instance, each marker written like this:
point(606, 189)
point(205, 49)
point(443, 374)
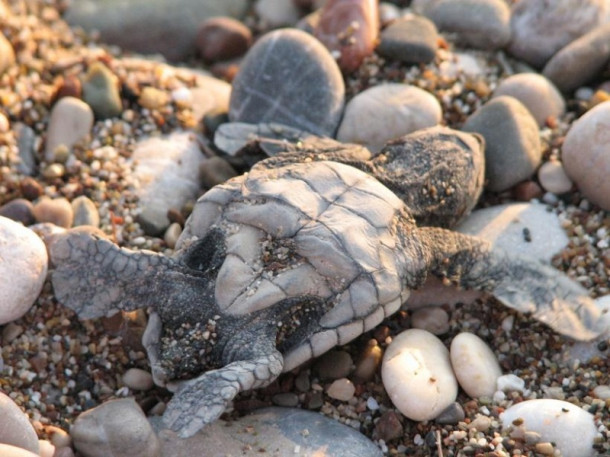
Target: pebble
point(553, 177)
point(26, 145)
point(57, 211)
point(59, 437)
point(602, 391)
point(214, 171)
point(385, 112)
point(152, 98)
point(475, 365)
point(349, 29)
point(512, 142)
point(480, 423)
point(7, 450)
point(7, 54)
point(558, 422)
point(504, 226)
point(510, 382)
point(70, 122)
point(273, 431)
point(116, 427)
point(23, 269)
point(277, 92)
point(388, 427)
point(537, 94)
point(18, 210)
point(409, 39)
point(85, 212)
point(451, 415)
point(167, 169)
point(488, 29)
point(581, 61)
point(101, 91)
point(335, 364)
point(369, 362)
point(46, 448)
point(15, 427)
point(433, 319)
point(222, 38)
point(286, 399)
point(138, 379)
point(341, 389)
point(172, 234)
point(540, 29)
point(179, 22)
point(277, 13)
point(417, 375)
point(586, 154)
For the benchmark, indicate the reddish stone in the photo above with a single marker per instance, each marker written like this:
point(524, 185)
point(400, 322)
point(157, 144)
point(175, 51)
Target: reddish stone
point(70, 86)
point(351, 28)
point(388, 427)
point(222, 38)
point(526, 191)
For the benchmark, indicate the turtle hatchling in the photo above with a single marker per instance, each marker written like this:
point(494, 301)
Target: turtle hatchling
point(306, 251)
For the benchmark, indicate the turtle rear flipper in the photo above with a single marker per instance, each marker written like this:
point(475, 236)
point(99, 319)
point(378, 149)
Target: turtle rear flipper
point(519, 282)
point(202, 400)
point(95, 278)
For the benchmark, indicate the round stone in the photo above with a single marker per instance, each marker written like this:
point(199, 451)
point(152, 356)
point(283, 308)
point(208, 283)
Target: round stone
point(410, 39)
point(553, 177)
point(512, 143)
point(85, 212)
point(433, 319)
point(222, 38)
point(540, 28)
point(23, 269)
point(556, 421)
point(71, 121)
point(278, 91)
point(57, 211)
point(334, 365)
point(581, 61)
point(118, 428)
point(586, 154)
point(138, 379)
point(537, 94)
point(19, 210)
point(341, 389)
point(385, 112)
point(489, 28)
point(417, 375)
point(349, 29)
point(15, 427)
point(475, 365)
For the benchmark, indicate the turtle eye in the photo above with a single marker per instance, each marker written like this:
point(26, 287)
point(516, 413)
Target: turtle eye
point(207, 254)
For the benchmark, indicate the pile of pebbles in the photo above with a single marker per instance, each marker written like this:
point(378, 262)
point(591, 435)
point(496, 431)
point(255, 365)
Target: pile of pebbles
point(122, 145)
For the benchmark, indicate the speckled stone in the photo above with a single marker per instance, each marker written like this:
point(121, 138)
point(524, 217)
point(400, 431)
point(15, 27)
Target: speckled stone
point(279, 92)
point(382, 113)
point(540, 28)
point(489, 28)
point(410, 39)
point(15, 427)
point(581, 61)
point(586, 154)
point(279, 430)
point(101, 91)
point(512, 142)
point(537, 94)
point(23, 269)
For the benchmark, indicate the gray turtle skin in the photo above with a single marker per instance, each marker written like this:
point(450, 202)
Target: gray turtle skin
point(301, 254)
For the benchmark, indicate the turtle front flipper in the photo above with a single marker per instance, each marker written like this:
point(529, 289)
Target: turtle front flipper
point(95, 277)
point(200, 401)
point(519, 282)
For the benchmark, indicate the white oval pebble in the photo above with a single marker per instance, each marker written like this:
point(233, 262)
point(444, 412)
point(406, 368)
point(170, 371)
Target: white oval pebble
point(571, 428)
point(416, 373)
point(46, 448)
point(602, 392)
point(510, 382)
point(6, 450)
point(23, 269)
point(433, 319)
point(553, 177)
point(475, 365)
point(385, 112)
point(71, 121)
point(341, 389)
point(138, 379)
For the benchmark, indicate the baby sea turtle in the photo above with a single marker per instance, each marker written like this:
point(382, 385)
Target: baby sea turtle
point(301, 254)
